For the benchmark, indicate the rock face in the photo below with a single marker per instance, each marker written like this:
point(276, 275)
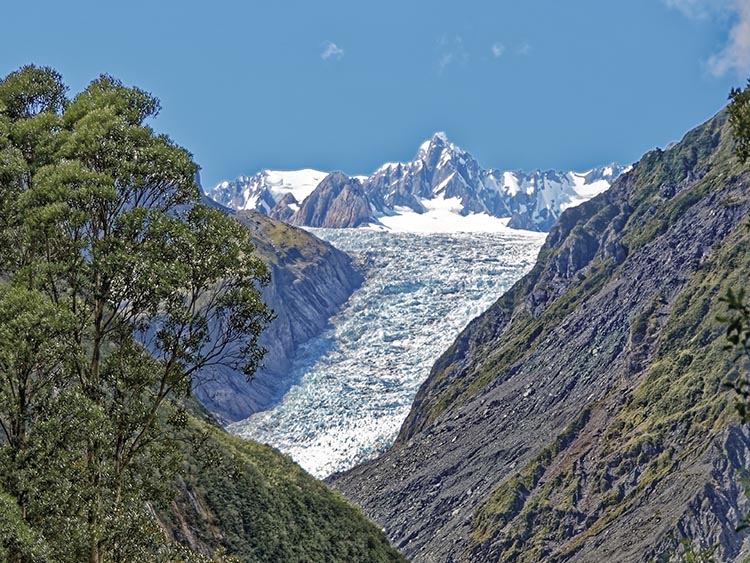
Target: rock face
point(310, 280)
point(337, 202)
point(440, 171)
point(583, 417)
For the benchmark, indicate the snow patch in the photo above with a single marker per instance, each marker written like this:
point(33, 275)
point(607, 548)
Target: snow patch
point(300, 183)
point(443, 215)
point(510, 184)
point(441, 186)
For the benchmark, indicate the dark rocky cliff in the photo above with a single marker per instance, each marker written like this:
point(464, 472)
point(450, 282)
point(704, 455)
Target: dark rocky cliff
point(584, 416)
point(338, 202)
point(310, 280)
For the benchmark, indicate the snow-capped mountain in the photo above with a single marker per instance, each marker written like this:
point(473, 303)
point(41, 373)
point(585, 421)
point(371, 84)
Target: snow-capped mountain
point(443, 182)
point(268, 190)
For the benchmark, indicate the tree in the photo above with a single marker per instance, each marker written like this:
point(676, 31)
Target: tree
point(739, 119)
point(138, 287)
point(737, 319)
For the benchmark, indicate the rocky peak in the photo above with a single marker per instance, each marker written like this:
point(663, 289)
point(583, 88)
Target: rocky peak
point(436, 143)
point(338, 202)
point(608, 172)
point(285, 208)
point(438, 152)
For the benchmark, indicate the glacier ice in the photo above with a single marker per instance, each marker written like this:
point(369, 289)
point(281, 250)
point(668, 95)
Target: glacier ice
point(355, 383)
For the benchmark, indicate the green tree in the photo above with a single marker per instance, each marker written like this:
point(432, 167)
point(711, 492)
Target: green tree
point(739, 119)
point(146, 288)
point(737, 319)
point(18, 542)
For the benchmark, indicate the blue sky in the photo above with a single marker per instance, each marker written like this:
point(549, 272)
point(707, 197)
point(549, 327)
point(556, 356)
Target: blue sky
point(348, 85)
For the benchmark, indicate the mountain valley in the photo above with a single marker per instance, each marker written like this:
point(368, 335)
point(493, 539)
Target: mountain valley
point(584, 416)
point(354, 384)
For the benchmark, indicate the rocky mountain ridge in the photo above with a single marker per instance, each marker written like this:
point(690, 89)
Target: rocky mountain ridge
point(310, 279)
point(441, 171)
point(583, 417)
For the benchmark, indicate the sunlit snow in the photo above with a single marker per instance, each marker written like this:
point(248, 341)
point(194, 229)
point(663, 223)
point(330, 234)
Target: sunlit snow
point(442, 215)
point(356, 382)
point(300, 183)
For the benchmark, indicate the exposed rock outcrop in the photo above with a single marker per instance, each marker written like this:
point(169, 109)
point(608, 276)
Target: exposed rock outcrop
point(285, 209)
point(310, 280)
point(583, 417)
point(337, 202)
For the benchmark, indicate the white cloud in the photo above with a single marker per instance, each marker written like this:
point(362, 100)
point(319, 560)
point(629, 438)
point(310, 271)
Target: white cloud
point(445, 60)
point(452, 51)
point(524, 49)
point(695, 9)
point(735, 55)
point(497, 50)
point(331, 51)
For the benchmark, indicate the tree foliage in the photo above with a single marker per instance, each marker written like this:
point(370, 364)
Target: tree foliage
point(119, 289)
point(737, 319)
point(739, 119)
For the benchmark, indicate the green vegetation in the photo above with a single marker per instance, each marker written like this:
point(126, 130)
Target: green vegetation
point(268, 509)
point(739, 119)
point(277, 242)
point(677, 405)
point(118, 288)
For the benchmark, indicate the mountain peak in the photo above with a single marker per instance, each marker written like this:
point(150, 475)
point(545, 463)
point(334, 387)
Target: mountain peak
point(440, 170)
point(440, 136)
point(437, 141)
point(439, 150)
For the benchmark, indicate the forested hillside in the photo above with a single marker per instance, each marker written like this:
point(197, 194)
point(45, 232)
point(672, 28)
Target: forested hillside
point(118, 289)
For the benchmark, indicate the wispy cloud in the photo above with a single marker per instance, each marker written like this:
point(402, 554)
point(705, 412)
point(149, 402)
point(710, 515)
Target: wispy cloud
point(695, 9)
point(524, 49)
point(452, 51)
point(331, 51)
point(497, 50)
point(735, 55)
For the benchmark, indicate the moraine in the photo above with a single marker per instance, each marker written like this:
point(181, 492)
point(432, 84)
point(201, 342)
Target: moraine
point(356, 382)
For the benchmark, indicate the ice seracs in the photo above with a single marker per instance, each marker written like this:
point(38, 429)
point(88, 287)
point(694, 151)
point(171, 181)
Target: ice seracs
point(356, 382)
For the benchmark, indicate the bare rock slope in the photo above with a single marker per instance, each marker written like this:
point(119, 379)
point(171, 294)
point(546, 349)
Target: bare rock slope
point(584, 417)
point(310, 280)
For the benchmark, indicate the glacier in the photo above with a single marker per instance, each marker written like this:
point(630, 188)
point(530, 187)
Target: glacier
point(354, 384)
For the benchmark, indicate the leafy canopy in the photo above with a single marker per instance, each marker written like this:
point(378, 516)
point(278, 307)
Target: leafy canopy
point(739, 119)
point(119, 288)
